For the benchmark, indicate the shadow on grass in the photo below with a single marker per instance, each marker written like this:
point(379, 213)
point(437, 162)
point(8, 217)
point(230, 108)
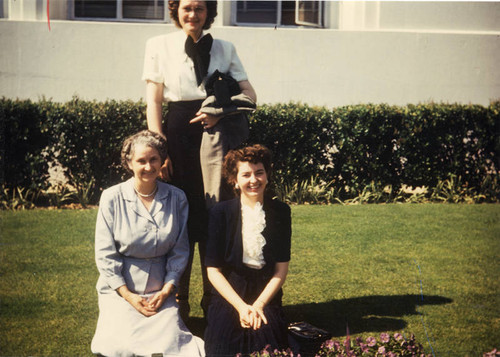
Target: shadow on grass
point(363, 314)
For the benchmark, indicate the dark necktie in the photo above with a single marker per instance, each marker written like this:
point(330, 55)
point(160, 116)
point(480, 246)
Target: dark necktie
point(199, 52)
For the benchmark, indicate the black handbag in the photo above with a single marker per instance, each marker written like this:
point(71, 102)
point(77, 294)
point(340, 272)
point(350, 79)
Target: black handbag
point(306, 332)
point(308, 337)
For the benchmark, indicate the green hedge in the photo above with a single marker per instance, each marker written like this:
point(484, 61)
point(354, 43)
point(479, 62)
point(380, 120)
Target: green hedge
point(349, 147)
point(354, 146)
point(88, 138)
point(84, 137)
point(24, 136)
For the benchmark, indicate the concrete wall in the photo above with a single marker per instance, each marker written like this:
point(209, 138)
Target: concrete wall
point(97, 60)
point(417, 15)
point(445, 15)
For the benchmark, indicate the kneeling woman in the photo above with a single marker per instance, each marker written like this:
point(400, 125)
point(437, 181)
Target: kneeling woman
point(141, 249)
point(247, 257)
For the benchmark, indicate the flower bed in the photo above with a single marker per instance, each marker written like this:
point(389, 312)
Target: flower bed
point(386, 345)
point(390, 346)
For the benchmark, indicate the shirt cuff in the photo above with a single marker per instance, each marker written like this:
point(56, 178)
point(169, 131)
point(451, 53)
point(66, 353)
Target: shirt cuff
point(239, 76)
point(173, 278)
point(153, 77)
point(212, 263)
point(115, 282)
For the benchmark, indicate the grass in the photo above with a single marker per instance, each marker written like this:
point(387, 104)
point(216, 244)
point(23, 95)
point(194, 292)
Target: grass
point(429, 269)
point(415, 268)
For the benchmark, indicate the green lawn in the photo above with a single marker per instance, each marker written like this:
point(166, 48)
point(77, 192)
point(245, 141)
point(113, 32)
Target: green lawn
point(428, 269)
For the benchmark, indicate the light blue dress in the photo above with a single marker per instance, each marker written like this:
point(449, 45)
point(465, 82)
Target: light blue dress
point(144, 250)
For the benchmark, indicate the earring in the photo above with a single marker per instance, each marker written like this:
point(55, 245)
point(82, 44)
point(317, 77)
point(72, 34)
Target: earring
point(236, 186)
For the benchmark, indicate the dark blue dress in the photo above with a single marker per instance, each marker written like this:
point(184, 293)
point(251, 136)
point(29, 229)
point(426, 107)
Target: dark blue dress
point(224, 335)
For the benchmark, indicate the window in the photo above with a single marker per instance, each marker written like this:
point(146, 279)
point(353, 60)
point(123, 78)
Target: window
point(309, 13)
point(120, 9)
point(279, 13)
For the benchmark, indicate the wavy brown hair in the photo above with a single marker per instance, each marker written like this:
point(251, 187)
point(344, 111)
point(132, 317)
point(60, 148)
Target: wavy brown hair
point(173, 7)
point(253, 154)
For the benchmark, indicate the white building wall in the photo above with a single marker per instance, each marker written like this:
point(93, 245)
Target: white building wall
point(440, 15)
point(371, 59)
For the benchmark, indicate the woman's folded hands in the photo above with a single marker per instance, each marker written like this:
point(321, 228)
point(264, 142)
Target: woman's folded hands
point(156, 302)
point(147, 307)
point(252, 316)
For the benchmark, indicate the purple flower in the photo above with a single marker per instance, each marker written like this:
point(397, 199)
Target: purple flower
point(384, 337)
point(364, 347)
point(398, 336)
point(372, 341)
point(329, 344)
point(381, 350)
point(391, 354)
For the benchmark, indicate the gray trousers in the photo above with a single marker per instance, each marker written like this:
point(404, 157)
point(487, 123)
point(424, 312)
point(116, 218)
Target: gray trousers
point(229, 133)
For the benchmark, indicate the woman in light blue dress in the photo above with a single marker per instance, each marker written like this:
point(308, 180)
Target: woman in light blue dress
point(141, 250)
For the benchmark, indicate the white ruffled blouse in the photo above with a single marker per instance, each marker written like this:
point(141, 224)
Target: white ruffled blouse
point(253, 223)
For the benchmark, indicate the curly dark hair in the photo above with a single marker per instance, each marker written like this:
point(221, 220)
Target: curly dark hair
point(173, 7)
point(253, 154)
point(144, 137)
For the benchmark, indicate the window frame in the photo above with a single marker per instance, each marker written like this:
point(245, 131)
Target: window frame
point(298, 23)
point(119, 15)
point(319, 24)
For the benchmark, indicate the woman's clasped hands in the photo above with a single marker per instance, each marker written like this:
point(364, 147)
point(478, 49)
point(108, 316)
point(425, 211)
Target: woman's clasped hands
point(252, 316)
point(147, 307)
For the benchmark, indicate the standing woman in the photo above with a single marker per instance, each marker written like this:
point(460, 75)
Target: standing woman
point(141, 250)
point(176, 67)
point(248, 251)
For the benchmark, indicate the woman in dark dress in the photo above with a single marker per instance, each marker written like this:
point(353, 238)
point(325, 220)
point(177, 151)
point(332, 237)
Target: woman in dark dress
point(247, 257)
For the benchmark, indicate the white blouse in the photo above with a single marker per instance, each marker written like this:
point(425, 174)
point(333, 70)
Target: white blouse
point(166, 62)
point(253, 223)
